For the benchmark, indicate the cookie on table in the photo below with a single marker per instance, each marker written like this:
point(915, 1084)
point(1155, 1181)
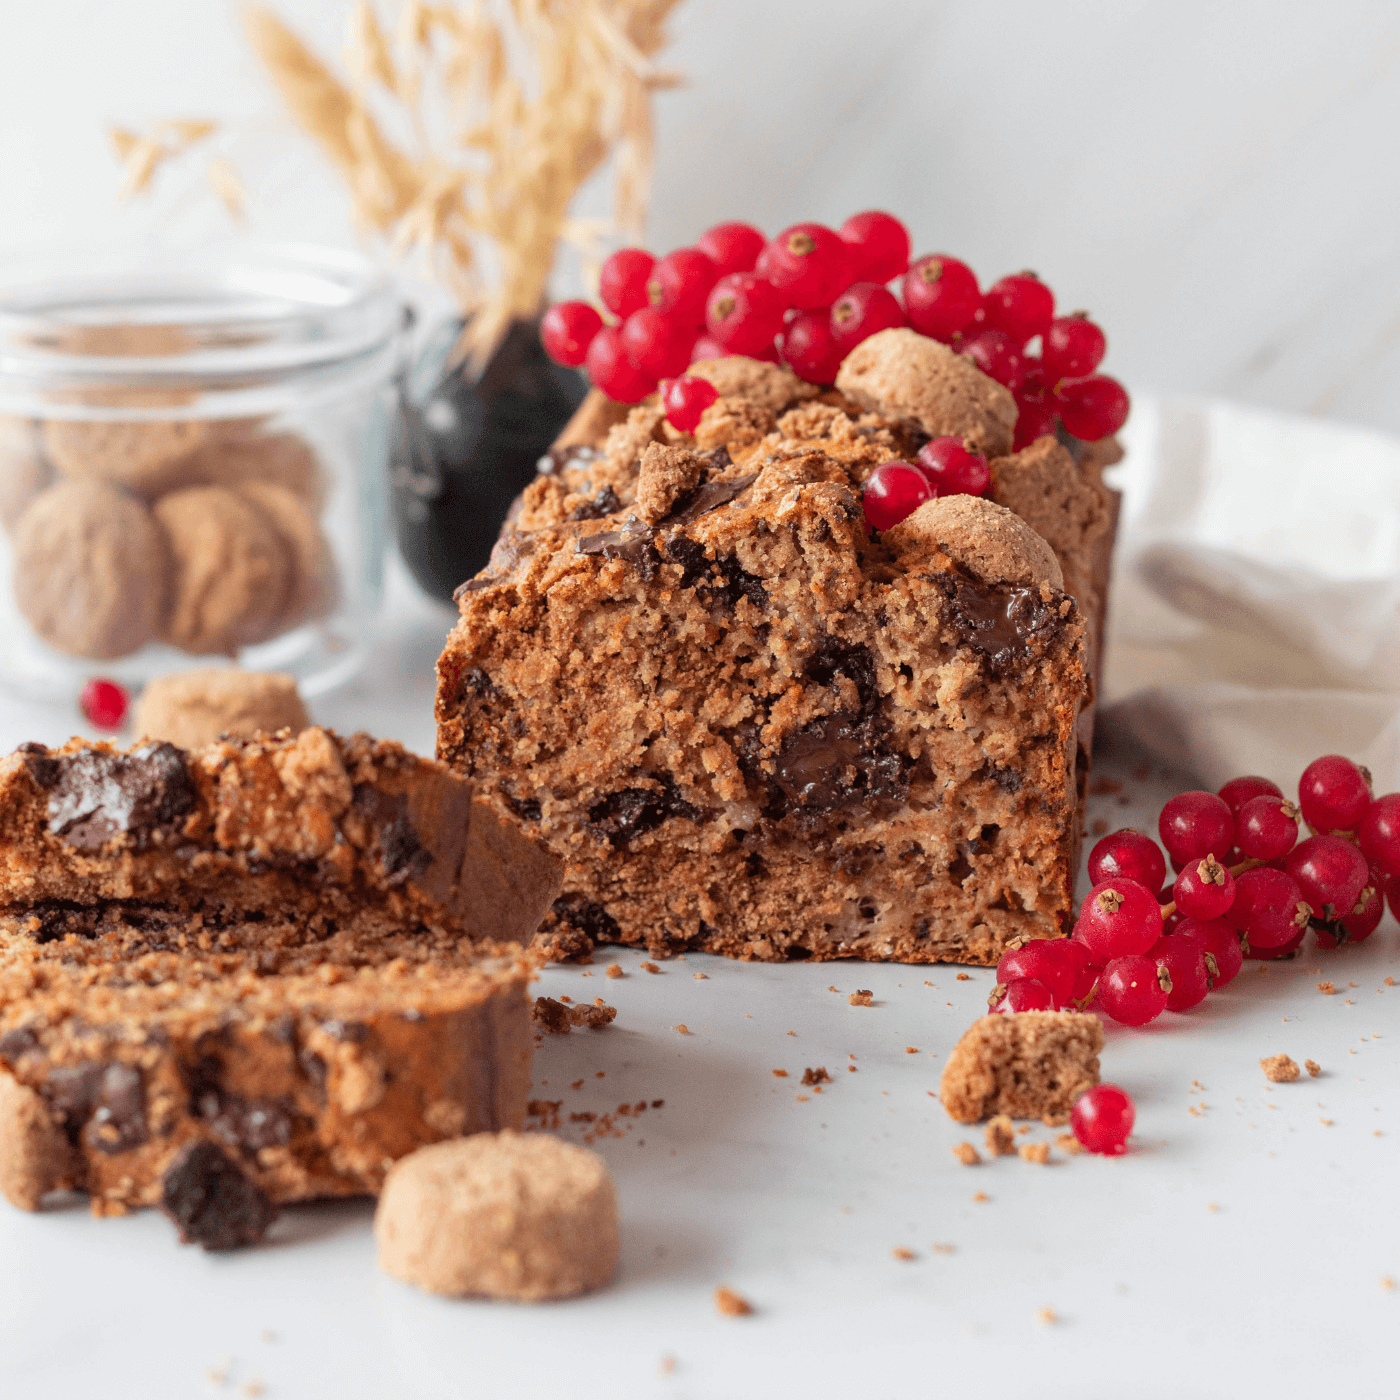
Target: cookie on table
point(90, 570)
point(503, 1215)
point(230, 571)
point(148, 458)
point(194, 708)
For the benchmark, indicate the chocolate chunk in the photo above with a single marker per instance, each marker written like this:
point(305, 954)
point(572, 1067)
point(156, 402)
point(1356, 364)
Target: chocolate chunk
point(17, 1043)
point(591, 919)
point(626, 814)
point(836, 761)
point(604, 503)
point(1002, 623)
point(551, 1016)
point(348, 1032)
point(105, 1103)
point(724, 578)
point(632, 544)
point(708, 496)
point(834, 658)
point(99, 796)
point(402, 856)
point(40, 765)
point(557, 458)
point(247, 1124)
point(212, 1202)
point(526, 808)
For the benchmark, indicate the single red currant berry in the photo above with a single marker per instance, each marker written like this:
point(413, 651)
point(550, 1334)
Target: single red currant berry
point(1021, 305)
point(1132, 856)
point(1092, 408)
point(732, 247)
point(998, 356)
point(1074, 345)
point(679, 284)
point(860, 311)
point(706, 347)
point(1134, 990)
point(1328, 870)
point(953, 469)
point(1334, 793)
point(1193, 824)
point(1033, 422)
point(1050, 961)
point(809, 265)
point(1378, 833)
point(685, 400)
point(1183, 957)
point(1221, 946)
point(1119, 917)
point(657, 343)
point(612, 371)
point(622, 280)
point(1024, 994)
point(1204, 889)
point(1238, 791)
point(1086, 976)
point(1102, 1119)
point(104, 703)
point(810, 348)
point(940, 296)
point(744, 314)
point(1269, 908)
point(1366, 914)
point(893, 492)
point(567, 331)
point(879, 246)
point(1266, 828)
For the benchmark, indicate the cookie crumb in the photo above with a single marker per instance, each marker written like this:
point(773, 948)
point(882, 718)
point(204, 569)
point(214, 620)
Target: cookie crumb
point(1213, 1207)
point(1068, 1143)
point(1388, 1283)
point(1328, 989)
point(780, 1074)
point(551, 1016)
point(1047, 1317)
point(945, 1249)
point(595, 1017)
point(1313, 1068)
point(999, 1136)
point(731, 1304)
point(967, 1154)
point(615, 970)
point(816, 1076)
point(1389, 981)
point(217, 1374)
point(1279, 1069)
point(804, 1098)
point(1326, 1122)
point(911, 1049)
point(267, 1335)
point(702, 976)
point(860, 998)
point(900, 1252)
point(681, 1029)
point(1037, 1152)
point(255, 1388)
point(668, 1364)
point(650, 967)
point(981, 1198)
point(963, 977)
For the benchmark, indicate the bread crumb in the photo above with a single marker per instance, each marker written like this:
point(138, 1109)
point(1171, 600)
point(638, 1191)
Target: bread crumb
point(702, 976)
point(1389, 981)
point(859, 998)
point(1326, 1122)
point(1037, 1152)
point(730, 1304)
point(1213, 1207)
point(267, 1335)
point(577, 1084)
point(1067, 1142)
point(1312, 1067)
point(650, 967)
point(615, 970)
point(1279, 1069)
point(255, 1387)
point(668, 1364)
point(945, 1249)
point(780, 1074)
point(1047, 1317)
point(999, 1136)
point(816, 1076)
point(804, 1098)
point(852, 1068)
point(967, 1154)
point(218, 1373)
point(1327, 989)
point(681, 1029)
point(900, 1252)
point(1387, 1283)
point(963, 977)
point(981, 1198)
point(831, 989)
point(911, 1049)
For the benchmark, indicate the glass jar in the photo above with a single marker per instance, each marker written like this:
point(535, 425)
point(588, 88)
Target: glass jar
point(192, 464)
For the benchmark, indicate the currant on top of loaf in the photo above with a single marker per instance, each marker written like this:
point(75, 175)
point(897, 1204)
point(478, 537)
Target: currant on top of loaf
point(809, 296)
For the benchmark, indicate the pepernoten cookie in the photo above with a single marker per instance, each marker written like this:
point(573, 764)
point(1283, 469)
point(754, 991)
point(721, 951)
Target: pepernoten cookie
point(23, 469)
point(232, 458)
point(90, 570)
point(311, 591)
point(230, 571)
point(194, 708)
point(149, 458)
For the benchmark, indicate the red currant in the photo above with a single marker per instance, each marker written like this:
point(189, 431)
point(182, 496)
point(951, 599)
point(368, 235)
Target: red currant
point(744, 314)
point(1238, 791)
point(706, 347)
point(679, 284)
point(1092, 408)
point(685, 400)
point(1033, 422)
point(810, 348)
point(1328, 870)
point(860, 311)
point(1074, 345)
point(1130, 855)
point(1378, 833)
point(1102, 1119)
point(894, 491)
point(1193, 824)
point(1183, 956)
point(1284, 950)
point(1024, 994)
point(1118, 917)
point(1021, 305)
point(1204, 889)
point(809, 265)
point(1334, 793)
point(1366, 914)
point(1266, 827)
point(1269, 908)
point(104, 703)
point(568, 329)
point(1134, 990)
point(998, 356)
point(1221, 944)
point(940, 296)
point(953, 469)
point(732, 247)
point(613, 372)
point(622, 280)
point(1050, 961)
point(656, 342)
point(879, 246)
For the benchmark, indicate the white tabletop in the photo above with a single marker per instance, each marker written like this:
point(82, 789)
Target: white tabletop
point(1242, 1246)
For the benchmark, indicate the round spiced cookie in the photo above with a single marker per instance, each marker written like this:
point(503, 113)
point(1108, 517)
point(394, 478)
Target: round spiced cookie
point(230, 571)
point(193, 708)
point(233, 456)
point(23, 470)
point(149, 458)
point(505, 1215)
point(312, 589)
point(90, 570)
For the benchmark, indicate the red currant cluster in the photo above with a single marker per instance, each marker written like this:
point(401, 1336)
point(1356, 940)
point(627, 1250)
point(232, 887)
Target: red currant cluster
point(808, 297)
point(1141, 947)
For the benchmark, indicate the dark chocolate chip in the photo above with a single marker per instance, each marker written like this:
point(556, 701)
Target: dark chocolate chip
point(105, 1103)
point(99, 796)
point(1009, 780)
point(707, 497)
point(1001, 623)
point(526, 808)
point(211, 1200)
point(44, 769)
point(402, 856)
point(632, 544)
point(834, 658)
point(627, 813)
point(591, 919)
point(604, 503)
point(17, 1043)
point(247, 1124)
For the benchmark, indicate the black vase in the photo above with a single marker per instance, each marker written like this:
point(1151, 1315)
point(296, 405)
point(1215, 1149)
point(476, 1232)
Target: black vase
point(462, 451)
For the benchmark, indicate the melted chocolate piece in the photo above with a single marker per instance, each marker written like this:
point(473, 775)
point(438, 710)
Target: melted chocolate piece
point(401, 855)
point(212, 1202)
point(632, 544)
point(626, 814)
point(834, 762)
point(508, 551)
point(1002, 623)
point(604, 503)
point(99, 796)
point(725, 578)
point(106, 1104)
point(44, 769)
point(591, 919)
point(707, 497)
point(17, 1043)
point(834, 658)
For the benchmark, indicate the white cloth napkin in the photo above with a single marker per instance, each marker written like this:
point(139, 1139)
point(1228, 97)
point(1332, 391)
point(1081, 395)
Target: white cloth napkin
point(1254, 615)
